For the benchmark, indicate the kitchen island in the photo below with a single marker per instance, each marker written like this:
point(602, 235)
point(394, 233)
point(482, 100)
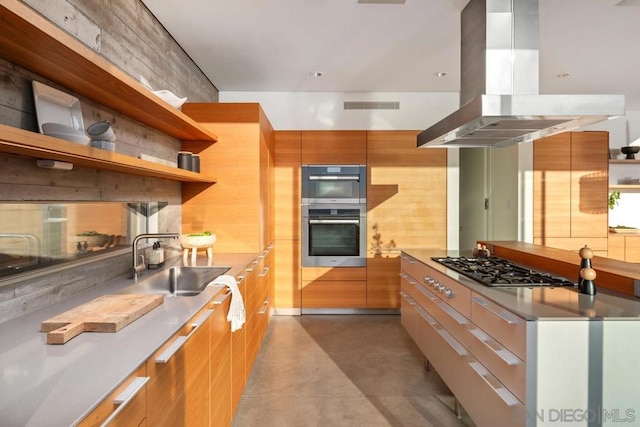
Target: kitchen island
point(59, 385)
point(525, 356)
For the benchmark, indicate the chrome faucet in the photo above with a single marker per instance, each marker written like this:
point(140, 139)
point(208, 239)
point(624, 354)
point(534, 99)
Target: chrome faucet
point(137, 269)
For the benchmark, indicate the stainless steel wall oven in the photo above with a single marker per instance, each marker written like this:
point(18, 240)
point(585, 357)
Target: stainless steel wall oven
point(334, 235)
point(334, 184)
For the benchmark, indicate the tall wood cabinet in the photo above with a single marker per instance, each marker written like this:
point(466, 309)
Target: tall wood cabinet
point(406, 208)
point(239, 208)
point(570, 191)
point(406, 204)
point(287, 173)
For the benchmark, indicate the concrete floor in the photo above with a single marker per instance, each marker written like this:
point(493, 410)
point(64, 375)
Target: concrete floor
point(329, 370)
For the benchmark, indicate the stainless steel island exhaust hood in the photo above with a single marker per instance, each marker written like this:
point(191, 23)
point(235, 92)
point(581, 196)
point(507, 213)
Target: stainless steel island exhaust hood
point(499, 84)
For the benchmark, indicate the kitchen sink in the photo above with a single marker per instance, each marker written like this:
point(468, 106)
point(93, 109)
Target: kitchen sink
point(178, 281)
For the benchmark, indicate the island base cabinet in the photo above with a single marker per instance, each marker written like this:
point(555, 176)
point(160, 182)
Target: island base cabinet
point(444, 353)
point(178, 388)
point(488, 402)
point(126, 406)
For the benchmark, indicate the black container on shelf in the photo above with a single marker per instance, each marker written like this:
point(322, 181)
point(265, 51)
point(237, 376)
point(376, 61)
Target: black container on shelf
point(185, 160)
point(195, 163)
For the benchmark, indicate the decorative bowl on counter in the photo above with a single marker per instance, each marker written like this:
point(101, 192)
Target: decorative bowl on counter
point(191, 241)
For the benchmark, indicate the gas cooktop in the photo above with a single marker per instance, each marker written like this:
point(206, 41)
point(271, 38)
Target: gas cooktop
point(494, 271)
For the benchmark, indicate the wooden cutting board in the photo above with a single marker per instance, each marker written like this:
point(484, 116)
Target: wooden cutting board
point(108, 313)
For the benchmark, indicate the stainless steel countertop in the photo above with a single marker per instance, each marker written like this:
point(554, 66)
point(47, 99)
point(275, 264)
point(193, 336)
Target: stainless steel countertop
point(58, 385)
point(542, 303)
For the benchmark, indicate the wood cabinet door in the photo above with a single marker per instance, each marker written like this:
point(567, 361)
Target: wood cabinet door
point(334, 147)
point(406, 193)
point(552, 186)
point(287, 189)
point(178, 388)
point(220, 381)
point(632, 249)
point(589, 184)
point(406, 207)
point(383, 281)
point(287, 275)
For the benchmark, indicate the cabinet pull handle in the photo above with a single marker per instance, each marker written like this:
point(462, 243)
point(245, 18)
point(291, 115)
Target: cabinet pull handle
point(125, 396)
point(484, 304)
point(221, 299)
point(457, 317)
point(504, 354)
point(265, 271)
point(424, 292)
point(265, 306)
point(504, 394)
point(407, 297)
point(177, 344)
point(458, 348)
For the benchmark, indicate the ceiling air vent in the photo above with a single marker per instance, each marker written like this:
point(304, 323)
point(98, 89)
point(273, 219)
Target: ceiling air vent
point(370, 105)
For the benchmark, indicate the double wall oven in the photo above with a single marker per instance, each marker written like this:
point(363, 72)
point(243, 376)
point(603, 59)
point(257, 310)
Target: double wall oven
point(334, 215)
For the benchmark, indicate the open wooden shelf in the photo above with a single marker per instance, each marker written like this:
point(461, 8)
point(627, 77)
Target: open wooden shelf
point(623, 161)
point(30, 144)
point(32, 42)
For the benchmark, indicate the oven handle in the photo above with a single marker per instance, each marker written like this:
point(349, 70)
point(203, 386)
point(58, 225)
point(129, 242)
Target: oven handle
point(334, 178)
point(334, 221)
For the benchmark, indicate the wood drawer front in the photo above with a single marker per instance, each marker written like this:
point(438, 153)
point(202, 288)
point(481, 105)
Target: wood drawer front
point(175, 395)
point(135, 409)
point(443, 352)
point(334, 294)
point(502, 325)
point(413, 267)
point(454, 322)
point(408, 314)
point(503, 364)
point(490, 403)
point(329, 273)
point(448, 290)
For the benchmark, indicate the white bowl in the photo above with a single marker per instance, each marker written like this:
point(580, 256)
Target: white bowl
point(101, 131)
point(168, 96)
point(65, 132)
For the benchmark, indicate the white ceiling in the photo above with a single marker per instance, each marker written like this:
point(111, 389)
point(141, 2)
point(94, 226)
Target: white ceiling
point(274, 45)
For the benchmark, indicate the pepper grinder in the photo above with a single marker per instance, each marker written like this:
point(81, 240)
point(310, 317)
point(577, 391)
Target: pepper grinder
point(587, 273)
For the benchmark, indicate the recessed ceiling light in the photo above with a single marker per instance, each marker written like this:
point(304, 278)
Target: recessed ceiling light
point(316, 74)
point(562, 75)
point(440, 74)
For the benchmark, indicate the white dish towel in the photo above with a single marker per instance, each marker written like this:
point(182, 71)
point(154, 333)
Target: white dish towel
point(236, 313)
